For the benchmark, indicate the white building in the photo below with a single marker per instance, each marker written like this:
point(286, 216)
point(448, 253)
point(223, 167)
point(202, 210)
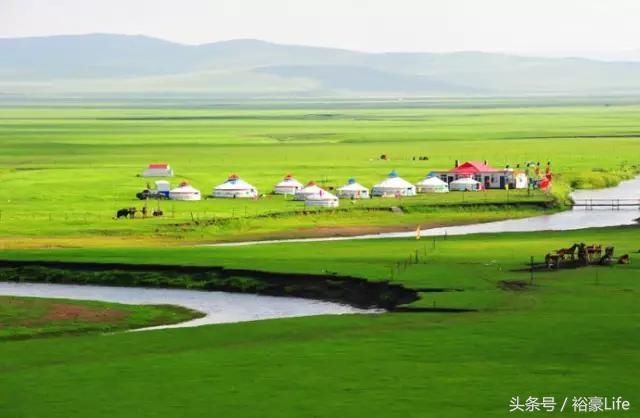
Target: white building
point(185, 192)
point(432, 185)
point(481, 171)
point(288, 185)
point(163, 187)
point(322, 199)
point(234, 188)
point(465, 184)
point(158, 170)
point(353, 190)
point(310, 189)
point(393, 186)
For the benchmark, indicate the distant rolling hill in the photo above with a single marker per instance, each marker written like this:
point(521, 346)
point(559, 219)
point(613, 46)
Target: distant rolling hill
point(100, 64)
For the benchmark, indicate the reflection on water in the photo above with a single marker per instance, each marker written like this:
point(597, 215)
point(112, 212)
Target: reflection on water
point(220, 307)
point(577, 218)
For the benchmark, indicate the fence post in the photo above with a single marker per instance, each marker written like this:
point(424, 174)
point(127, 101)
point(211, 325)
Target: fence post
point(531, 277)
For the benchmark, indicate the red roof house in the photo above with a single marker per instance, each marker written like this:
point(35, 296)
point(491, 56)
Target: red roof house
point(158, 170)
point(473, 168)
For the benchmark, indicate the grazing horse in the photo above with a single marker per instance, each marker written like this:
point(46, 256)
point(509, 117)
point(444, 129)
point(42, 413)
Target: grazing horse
point(583, 255)
point(594, 250)
point(571, 252)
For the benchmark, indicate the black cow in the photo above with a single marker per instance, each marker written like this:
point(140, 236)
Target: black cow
point(122, 213)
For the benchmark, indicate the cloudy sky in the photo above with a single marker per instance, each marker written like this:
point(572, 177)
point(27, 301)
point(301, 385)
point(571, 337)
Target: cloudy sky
point(525, 26)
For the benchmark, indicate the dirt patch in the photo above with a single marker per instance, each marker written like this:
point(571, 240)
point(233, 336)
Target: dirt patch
point(68, 312)
point(64, 312)
point(513, 285)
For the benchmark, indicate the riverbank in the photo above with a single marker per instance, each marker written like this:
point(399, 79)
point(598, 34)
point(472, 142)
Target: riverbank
point(354, 291)
point(28, 317)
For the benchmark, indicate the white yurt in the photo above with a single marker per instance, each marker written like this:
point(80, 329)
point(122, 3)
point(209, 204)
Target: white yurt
point(322, 199)
point(432, 185)
point(465, 184)
point(310, 189)
point(158, 170)
point(353, 190)
point(288, 185)
point(235, 187)
point(184, 192)
point(393, 186)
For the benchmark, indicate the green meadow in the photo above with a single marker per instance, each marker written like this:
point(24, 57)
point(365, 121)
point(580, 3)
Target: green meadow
point(563, 333)
point(65, 171)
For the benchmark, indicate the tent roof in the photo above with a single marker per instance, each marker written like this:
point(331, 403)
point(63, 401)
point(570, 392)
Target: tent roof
point(185, 189)
point(394, 182)
point(234, 183)
point(288, 182)
point(473, 167)
point(353, 186)
point(431, 181)
point(312, 188)
point(158, 165)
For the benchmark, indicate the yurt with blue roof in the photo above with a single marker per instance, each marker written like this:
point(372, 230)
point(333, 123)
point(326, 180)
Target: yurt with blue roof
point(234, 188)
point(353, 190)
point(393, 186)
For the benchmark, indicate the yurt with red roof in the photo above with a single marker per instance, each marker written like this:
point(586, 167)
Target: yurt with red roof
point(234, 188)
point(158, 170)
point(288, 185)
point(310, 189)
point(185, 192)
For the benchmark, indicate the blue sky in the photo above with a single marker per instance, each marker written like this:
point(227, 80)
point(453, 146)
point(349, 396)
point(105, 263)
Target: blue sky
point(525, 26)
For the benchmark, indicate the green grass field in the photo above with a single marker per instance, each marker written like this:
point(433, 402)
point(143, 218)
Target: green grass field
point(570, 333)
point(65, 171)
point(575, 332)
point(22, 317)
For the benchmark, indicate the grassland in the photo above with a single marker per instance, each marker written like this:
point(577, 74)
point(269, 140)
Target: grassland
point(23, 317)
point(65, 171)
point(574, 332)
point(567, 333)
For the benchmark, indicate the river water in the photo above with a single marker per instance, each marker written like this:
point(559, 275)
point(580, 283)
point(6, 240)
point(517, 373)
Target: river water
point(219, 307)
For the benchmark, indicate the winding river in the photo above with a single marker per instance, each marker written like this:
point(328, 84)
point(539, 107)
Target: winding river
point(221, 307)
